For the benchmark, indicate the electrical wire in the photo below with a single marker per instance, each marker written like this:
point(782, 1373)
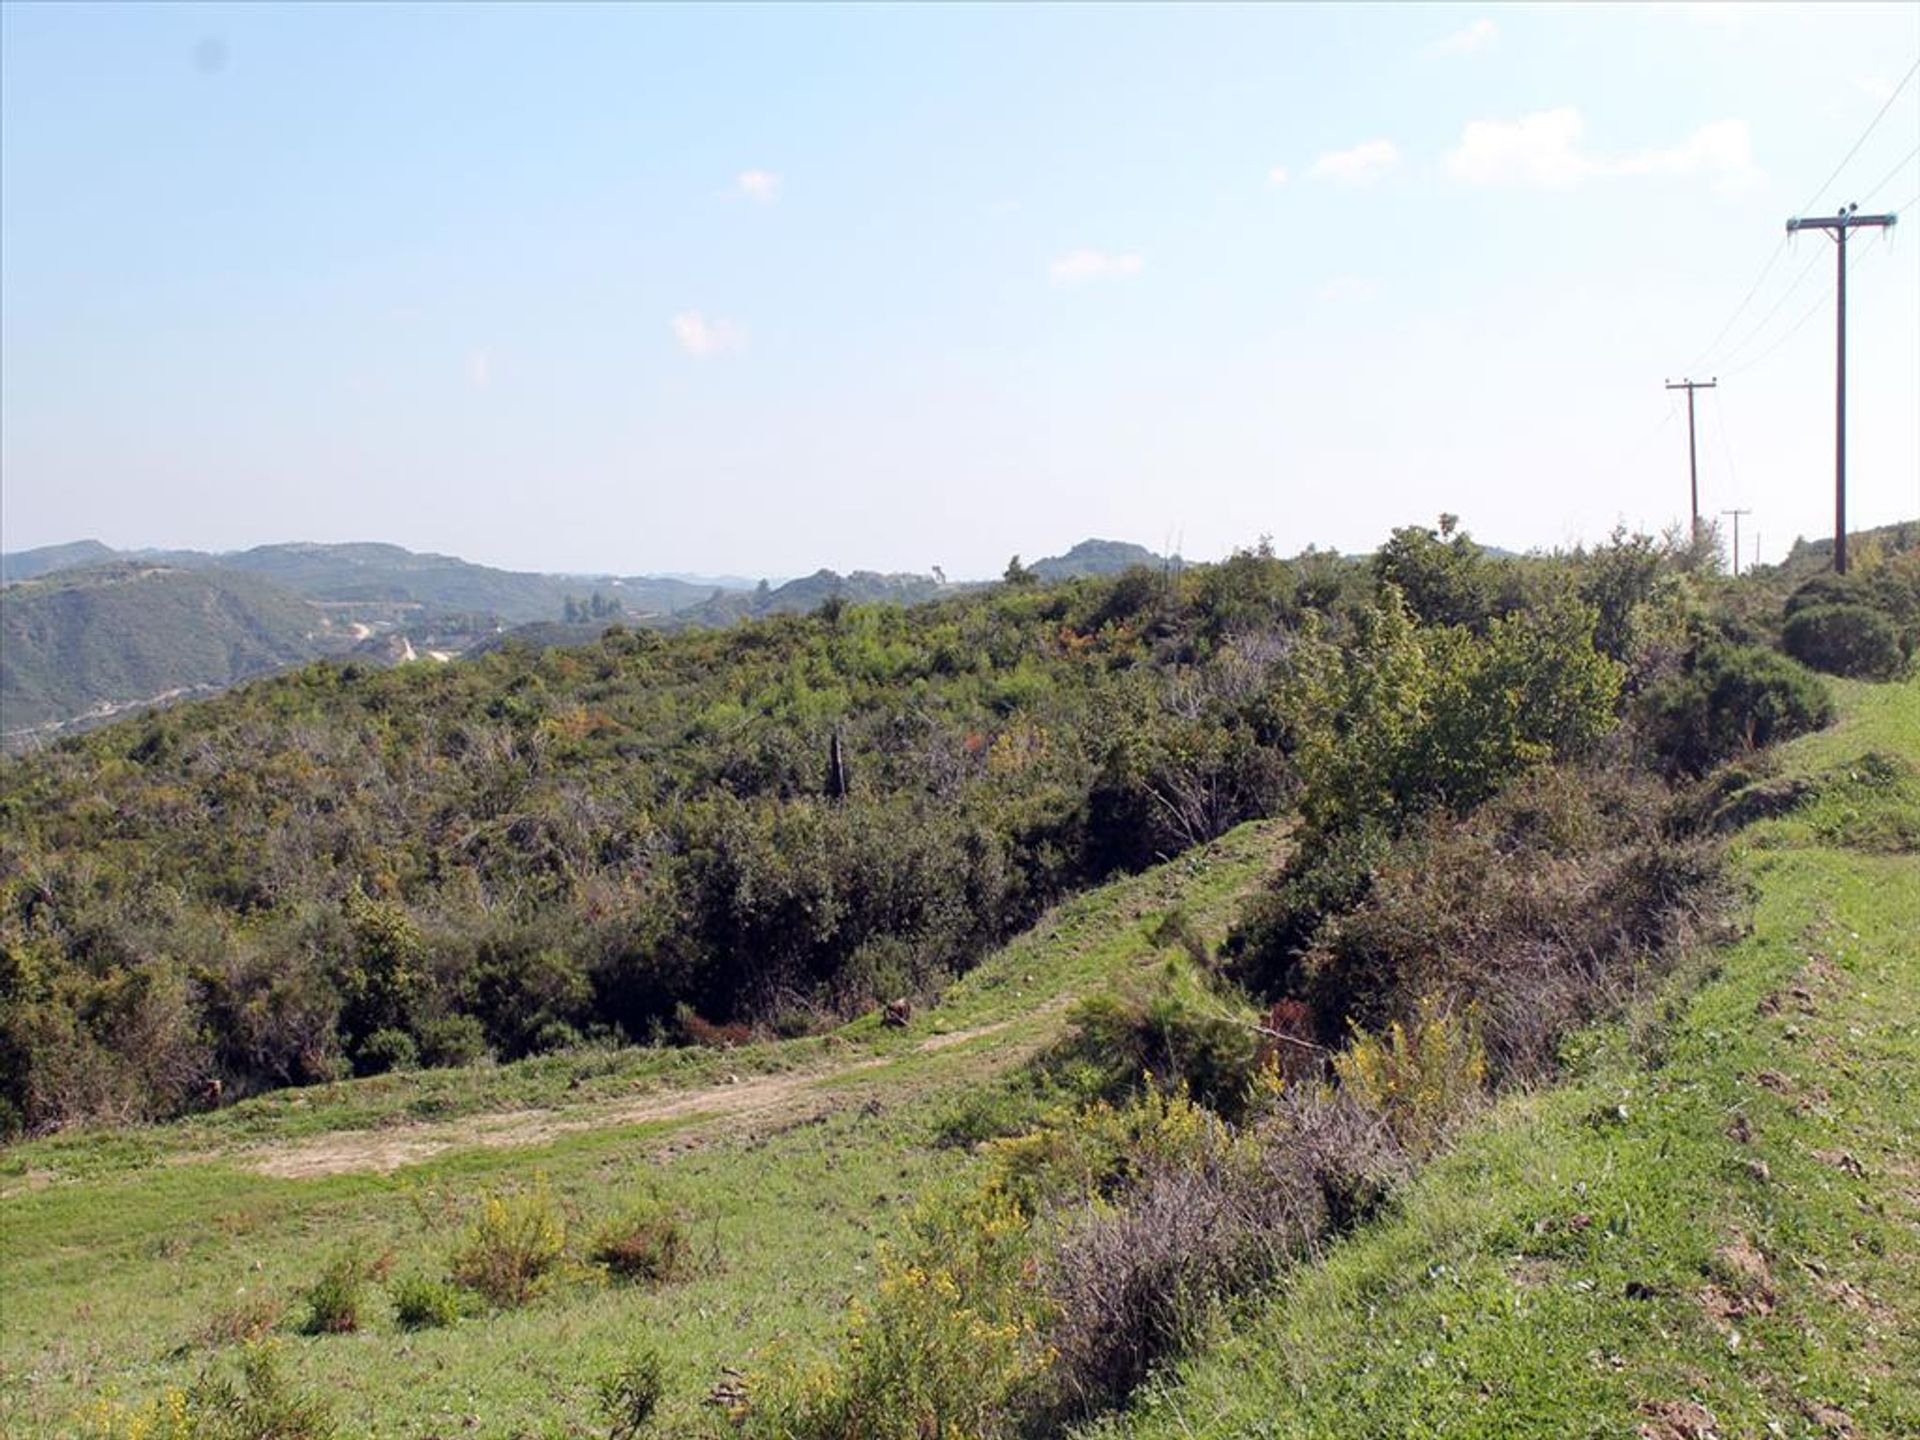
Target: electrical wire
point(1879, 115)
point(1812, 310)
point(1766, 319)
point(1780, 246)
point(1885, 179)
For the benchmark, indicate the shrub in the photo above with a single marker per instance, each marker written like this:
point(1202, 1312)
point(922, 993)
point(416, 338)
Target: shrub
point(262, 1406)
point(1424, 1076)
point(450, 1040)
point(949, 1344)
point(422, 1302)
point(990, 1112)
point(1844, 640)
point(511, 1248)
point(646, 1243)
point(1732, 700)
point(1136, 1282)
point(631, 1391)
point(387, 1050)
point(242, 1322)
point(1173, 1037)
point(335, 1298)
point(1325, 876)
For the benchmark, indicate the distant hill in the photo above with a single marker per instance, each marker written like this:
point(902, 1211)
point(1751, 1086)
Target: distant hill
point(370, 572)
point(86, 644)
point(810, 592)
point(1100, 557)
point(26, 564)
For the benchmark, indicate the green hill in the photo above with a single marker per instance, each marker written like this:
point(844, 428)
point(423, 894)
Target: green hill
point(1101, 557)
point(89, 642)
point(28, 564)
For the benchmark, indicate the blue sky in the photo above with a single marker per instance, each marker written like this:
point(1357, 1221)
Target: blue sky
point(768, 288)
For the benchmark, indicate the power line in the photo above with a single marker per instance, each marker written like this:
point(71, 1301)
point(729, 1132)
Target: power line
point(1766, 319)
point(1879, 115)
point(1812, 310)
point(1741, 309)
point(1881, 183)
point(1780, 248)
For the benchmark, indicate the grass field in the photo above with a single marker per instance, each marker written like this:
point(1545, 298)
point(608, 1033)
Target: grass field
point(129, 1256)
point(1712, 1230)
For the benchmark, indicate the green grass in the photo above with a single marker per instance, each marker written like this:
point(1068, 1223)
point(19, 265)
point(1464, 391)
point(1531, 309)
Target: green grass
point(121, 1250)
point(1712, 1228)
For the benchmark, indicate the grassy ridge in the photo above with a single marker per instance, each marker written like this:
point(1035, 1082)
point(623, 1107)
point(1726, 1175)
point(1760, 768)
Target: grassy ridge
point(1713, 1229)
point(119, 1248)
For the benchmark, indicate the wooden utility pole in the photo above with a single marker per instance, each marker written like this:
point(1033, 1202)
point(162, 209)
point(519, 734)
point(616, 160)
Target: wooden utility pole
point(1693, 453)
point(1736, 537)
point(1837, 226)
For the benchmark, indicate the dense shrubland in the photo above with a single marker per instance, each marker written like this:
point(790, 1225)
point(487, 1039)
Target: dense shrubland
point(1504, 834)
point(346, 870)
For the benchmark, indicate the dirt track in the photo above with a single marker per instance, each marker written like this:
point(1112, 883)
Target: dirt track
point(763, 1099)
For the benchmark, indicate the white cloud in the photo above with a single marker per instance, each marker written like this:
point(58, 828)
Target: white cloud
point(1362, 165)
point(1079, 266)
point(1722, 151)
point(480, 369)
point(1544, 149)
point(701, 337)
point(1470, 41)
point(760, 186)
point(1277, 175)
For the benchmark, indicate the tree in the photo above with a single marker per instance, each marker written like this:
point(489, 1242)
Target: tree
point(1018, 574)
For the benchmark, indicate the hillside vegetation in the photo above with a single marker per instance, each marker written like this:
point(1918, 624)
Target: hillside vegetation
point(127, 634)
point(1105, 1145)
point(345, 869)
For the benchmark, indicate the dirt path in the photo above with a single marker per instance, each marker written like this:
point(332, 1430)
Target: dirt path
point(763, 1099)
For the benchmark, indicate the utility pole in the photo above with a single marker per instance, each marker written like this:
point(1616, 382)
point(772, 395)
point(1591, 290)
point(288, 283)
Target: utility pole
point(1849, 218)
point(1693, 454)
point(1736, 537)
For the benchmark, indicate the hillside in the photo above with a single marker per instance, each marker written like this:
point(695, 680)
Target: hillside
point(29, 564)
point(1712, 1230)
point(1101, 557)
point(89, 642)
point(389, 573)
point(1706, 1228)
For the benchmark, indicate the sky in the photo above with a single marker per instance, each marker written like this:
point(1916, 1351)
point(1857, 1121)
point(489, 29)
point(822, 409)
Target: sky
point(770, 288)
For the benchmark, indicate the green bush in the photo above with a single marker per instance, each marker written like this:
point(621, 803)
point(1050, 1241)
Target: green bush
point(450, 1040)
point(1173, 1036)
point(631, 1391)
point(422, 1302)
point(1733, 699)
point(646, 1244)
point(385, 1051)
point(516, 1242)
point(1844, 640)
point(334, 1300)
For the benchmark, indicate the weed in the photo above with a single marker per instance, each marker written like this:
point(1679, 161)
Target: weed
point(422, 1302)
point(1424, 1076)
point(509, 1250)
point(630, 1392)
point(646, 1243)
point(262, 1406)
point(335, 1298)
point(243, 1322)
